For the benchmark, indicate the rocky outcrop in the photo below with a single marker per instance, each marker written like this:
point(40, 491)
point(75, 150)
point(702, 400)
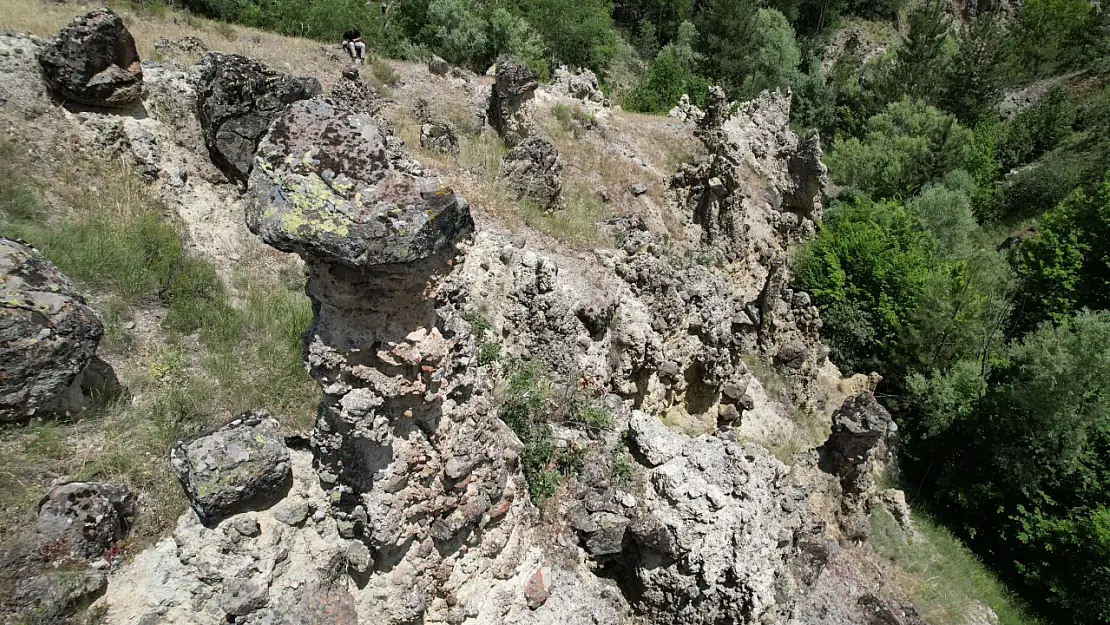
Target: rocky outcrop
point(510, 101)
point(94, 61)
point(244, 465)
point(580, 85)
point(755, 140)
point(686, 110)
point(860, 431)
point(187, 46)
point(85, 518)
point(48, 336)
point(704, 545)
point(439, 137)
point(351, 92)
point(531, 170)
point(237, 98)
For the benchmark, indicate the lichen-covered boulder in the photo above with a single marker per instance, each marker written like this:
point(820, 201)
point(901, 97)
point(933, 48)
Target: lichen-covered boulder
point(350, 91)
point(531, 170)
point(86, 518)
point(510, 110)
point(48, 336)
point(94, 61)
point(237, 98)
point(327, 186)
point(244, 465)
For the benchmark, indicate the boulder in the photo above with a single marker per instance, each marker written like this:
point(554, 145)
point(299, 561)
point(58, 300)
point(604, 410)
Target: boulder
point(86, 517)
point(438, 66)
point(54, 596)
point(580, 85)
point(243, 465)
point(510, 110)
point(48, 335)
point(94, 61)
point(439, 137)
point(860, 425)
point(531, 170)
point(686, 110)
point(349, 201)
point(637, 189)
point(237, 99)
point(654, 442)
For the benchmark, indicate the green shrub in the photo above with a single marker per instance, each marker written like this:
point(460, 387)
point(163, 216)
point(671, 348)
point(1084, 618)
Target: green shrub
point(489, 353)
point(906, 146)
point(747, 48)
point(1037, 129)
point(671, 74)
point(577, 32)
point(1049, 34)
point(865, 270)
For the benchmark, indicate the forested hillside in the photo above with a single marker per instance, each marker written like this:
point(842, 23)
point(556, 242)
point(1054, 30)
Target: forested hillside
point(965, 255)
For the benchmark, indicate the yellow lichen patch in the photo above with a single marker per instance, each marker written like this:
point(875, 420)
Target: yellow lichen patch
point(307, 211)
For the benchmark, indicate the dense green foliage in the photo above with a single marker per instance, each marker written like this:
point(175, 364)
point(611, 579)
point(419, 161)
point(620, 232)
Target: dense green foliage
point(994, 349)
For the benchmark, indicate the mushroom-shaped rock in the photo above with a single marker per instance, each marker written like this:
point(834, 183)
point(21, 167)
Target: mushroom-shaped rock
point(88, 517)
point(48, 336)
point(510, 111)
point(243, 465)
point(94, 61)
point(326, 187)
point(237, 99)
point(532, 169)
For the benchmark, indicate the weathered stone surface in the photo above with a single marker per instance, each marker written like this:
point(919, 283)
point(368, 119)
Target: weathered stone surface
point(686, 110)
point(711, 540)
point(48, 336)
point(440, 137)
point(510, 110)
point(860, 425)
point(531, 170)
point(438, 66)
point(538, 588)
point(581, 85)
point(327, 187)
point(237, 99)
point(241, 466)
point(653, 440)
point(608, 538)
point(85, 517)
point(94, 61)
point(53, 596)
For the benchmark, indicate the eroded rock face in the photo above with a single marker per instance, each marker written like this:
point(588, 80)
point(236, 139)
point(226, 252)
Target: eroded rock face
point(859, 429)
point(510, 101)
point(351, 92)
point(581, 85)
point(531, 170)
point(237, 98)
point(706, 544)
point(94, 61)
point(85, 518)
point(48, 335)
point(243, 465)
point(686, 110)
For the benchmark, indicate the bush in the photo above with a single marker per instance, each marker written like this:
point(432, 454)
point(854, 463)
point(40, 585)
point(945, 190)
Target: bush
point(577, 32)
point(672, 74)
point(1037, 129)
point(1050, 33)
point(1066, 266)
point(865, 270)
point(746, 48)
point(906, 146)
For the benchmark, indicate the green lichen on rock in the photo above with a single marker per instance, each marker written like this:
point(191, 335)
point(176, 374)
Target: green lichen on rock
point(330, 184)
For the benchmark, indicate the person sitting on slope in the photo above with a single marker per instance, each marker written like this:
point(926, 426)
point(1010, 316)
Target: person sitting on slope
point(352, 43)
